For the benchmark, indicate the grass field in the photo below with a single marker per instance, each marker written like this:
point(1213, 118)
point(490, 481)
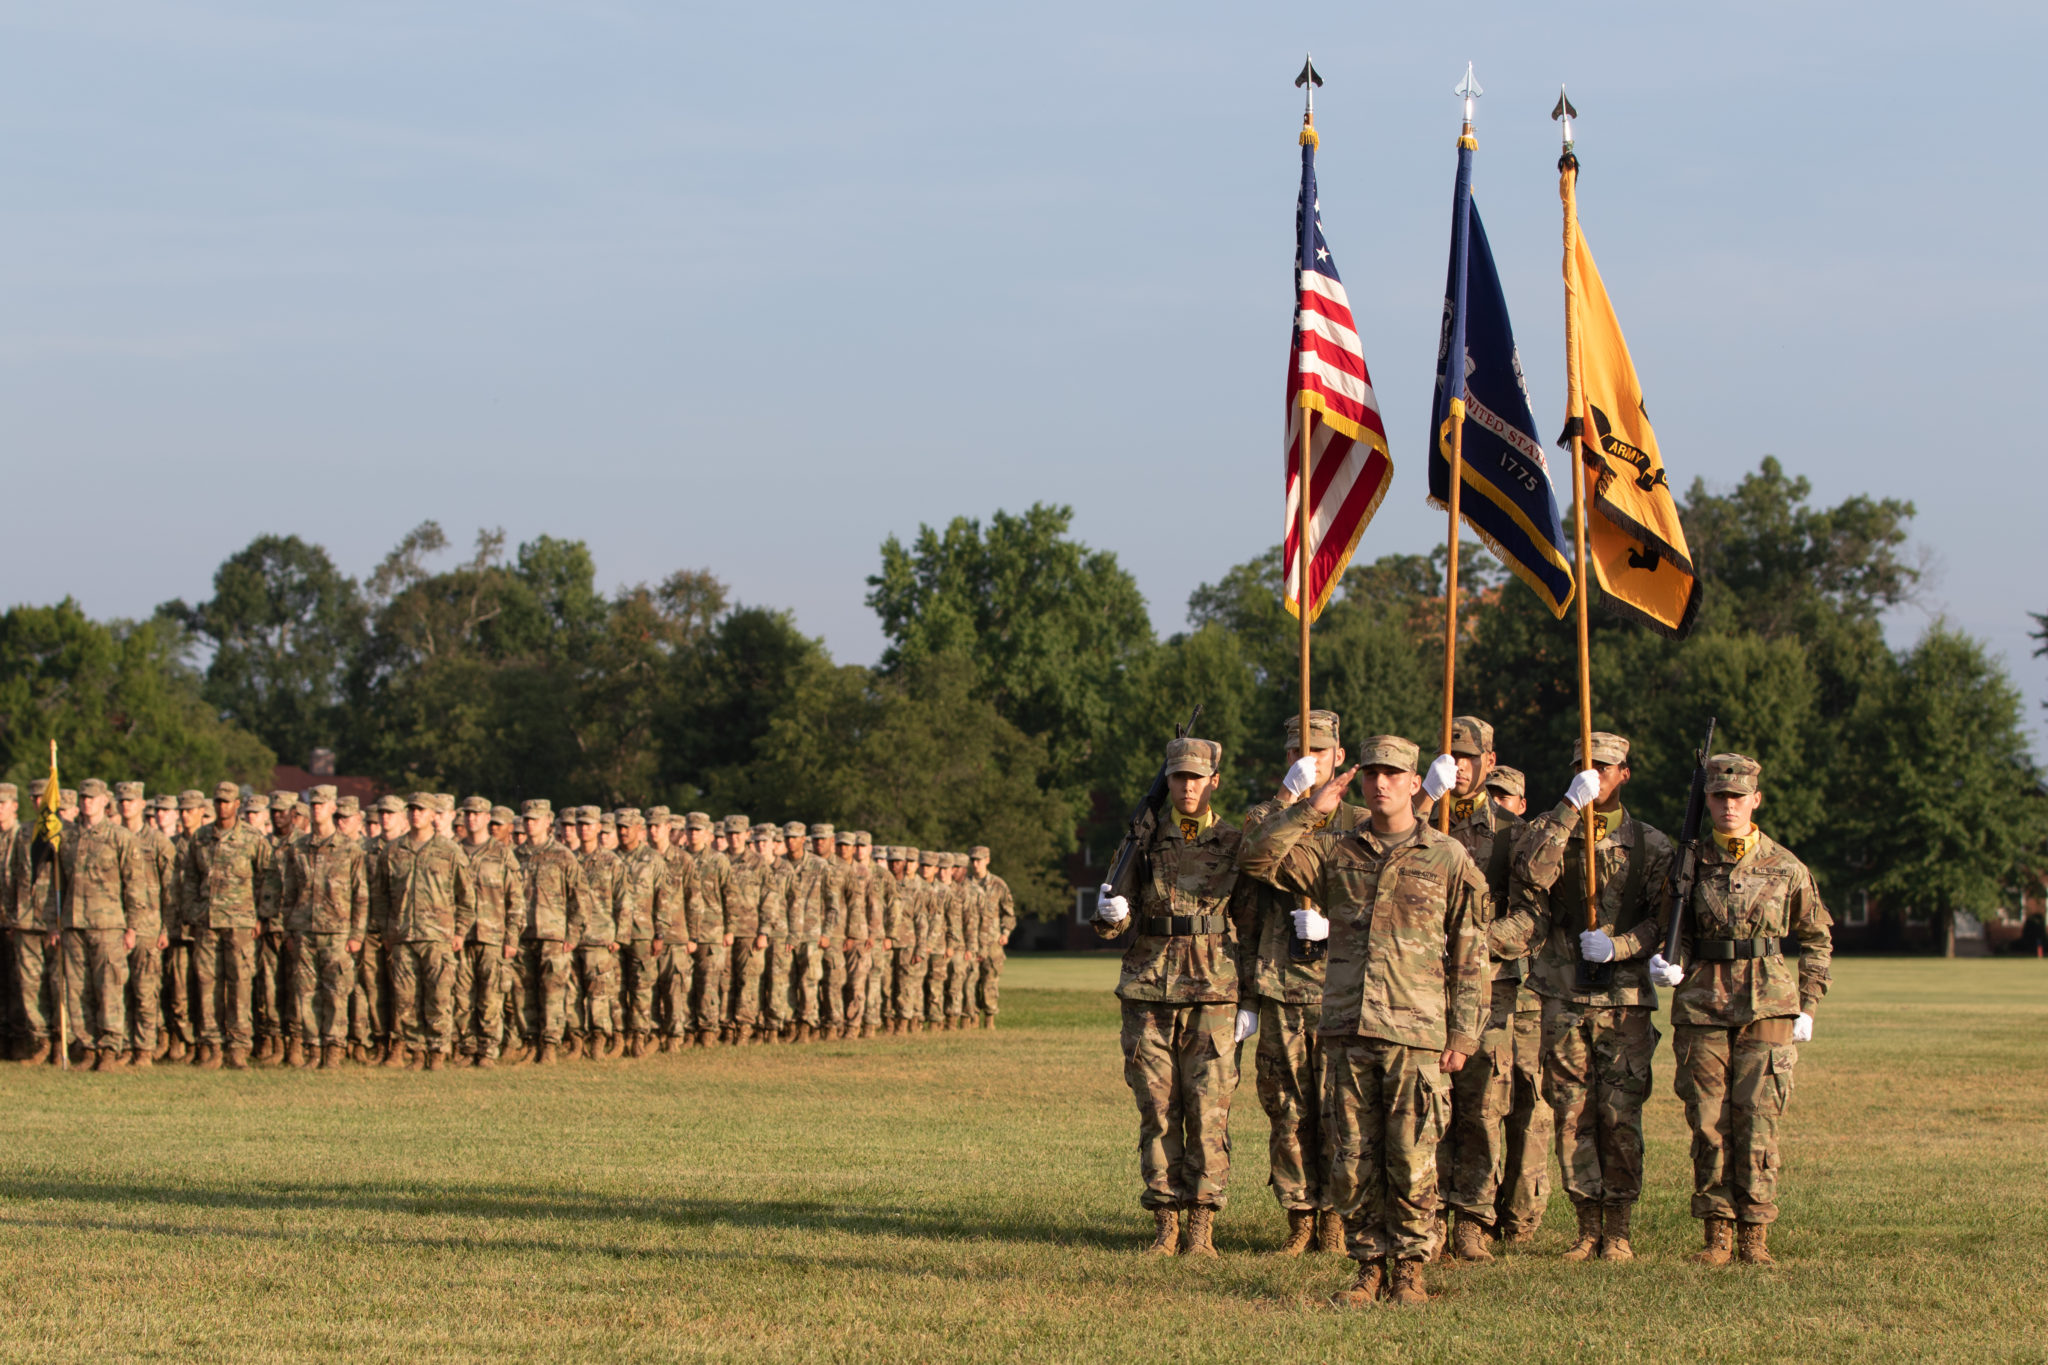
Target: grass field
point(971, 1197)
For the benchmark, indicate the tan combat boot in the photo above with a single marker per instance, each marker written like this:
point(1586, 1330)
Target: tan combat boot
point(1518, 1237)
point(486, 1062)
point(1720, 1247)
point(328, 1057)
point(142, 1059)
point(434, 1060)
point(291, 1054)
point(1166, 1234)
point(394, 1056)
point(1589, 1234)
point(1749, 1244)
point(237, 1058)
point(38, 1054)
point(1201, 1231)
point(546, 1055)
point(1330, 1233)
point(1614, 1237)
point(1407, 1288)
point(207, 1058)
point(177, 1052)
point(1368, 1289)
point(1468, 1239)
point(1301, 1232)
point(103, 1059)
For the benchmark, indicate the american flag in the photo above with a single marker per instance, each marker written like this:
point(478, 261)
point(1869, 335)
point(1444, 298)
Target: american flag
point(1328, 387)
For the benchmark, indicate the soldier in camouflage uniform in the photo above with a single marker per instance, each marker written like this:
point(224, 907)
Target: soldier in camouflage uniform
point(12, 834)
point(967, 968)
point(1472, 1158)
point(430, 896)
point(597, 936)
point(849, 997)
point(1739, 1010)
point(326, 914)
point(227, 868)
point(554, 895)
point(756, 919)
point(180, 1013)
point(1597, 1038)
point(880, 958)
point(1523, 1182)
point(271, 999)
point(109, 889)
point(641, 869)
point(146, 958)
point(1179, 988)
point(827, 998)
point(812, 889)
point(484, 958)
point(1405, 987)
point(936, 934)
point(912, 963)
point(714, 903)
point(369, 997)
point(998, 919)
point(1284, 990)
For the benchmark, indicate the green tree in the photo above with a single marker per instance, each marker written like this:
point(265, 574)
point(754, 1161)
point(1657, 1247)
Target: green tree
point(1050, 625)
point(118, 699)
point(1962, 819)
point(284, 626)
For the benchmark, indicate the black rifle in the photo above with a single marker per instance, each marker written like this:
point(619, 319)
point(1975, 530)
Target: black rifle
point(1685, 868)
point(1125, 867)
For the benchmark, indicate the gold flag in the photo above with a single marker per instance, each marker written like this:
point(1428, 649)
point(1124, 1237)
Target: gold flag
point(49, 824)
point(1633, 536)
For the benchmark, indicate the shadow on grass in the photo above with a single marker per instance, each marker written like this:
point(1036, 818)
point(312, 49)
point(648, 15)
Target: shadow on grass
point(1033, 1226)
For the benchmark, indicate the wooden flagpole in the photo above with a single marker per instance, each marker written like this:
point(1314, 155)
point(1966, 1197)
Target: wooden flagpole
point(1454, 381)
point(1569, 164)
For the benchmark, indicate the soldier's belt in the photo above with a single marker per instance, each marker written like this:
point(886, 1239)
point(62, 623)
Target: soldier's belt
point(1182, 926)
point(1736, 949)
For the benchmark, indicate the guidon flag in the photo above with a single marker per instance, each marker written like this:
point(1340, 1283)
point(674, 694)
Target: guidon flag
point(1507, 497)
point(1329, 389)
point(1634, 539)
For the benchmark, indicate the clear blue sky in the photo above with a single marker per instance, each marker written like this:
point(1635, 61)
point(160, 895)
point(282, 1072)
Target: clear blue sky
point(751, 287)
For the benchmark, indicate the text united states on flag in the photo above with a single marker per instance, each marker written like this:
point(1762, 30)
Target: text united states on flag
point(1329, 388)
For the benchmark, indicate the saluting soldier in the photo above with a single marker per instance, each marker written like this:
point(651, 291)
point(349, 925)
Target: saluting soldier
point(1740, 1010)
point(1283, 996)
point(1179, 986)
point(1598, 1035)
point(1403, 999)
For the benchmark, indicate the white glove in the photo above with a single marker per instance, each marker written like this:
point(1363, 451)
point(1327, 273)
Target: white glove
point(1595, 946)
point(1111, 909)
point(1310, 926)
point(1247, 1025)
point(1585, 786)
point(1665, 973)
point(1441, 777)
point(1301, 776)
point(1802, 1029)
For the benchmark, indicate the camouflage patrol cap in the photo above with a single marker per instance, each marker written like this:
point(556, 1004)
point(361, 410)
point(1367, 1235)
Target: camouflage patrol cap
point(424, 800)
point(537, 808)
point(475, 805)
point(657, 814)
point(92, 786)
point(697, 819)
point(848, 838)
point(737, 824)
point(822, 831)
point(795, 829)
point(1607, 748)
point(128, 791)
point(190, 799)
point(9, 792)
point(863, 838)
point(589, 815)
point(764, 830)
point(1322, 731)
point(1388, 751)
point(1200, 756)
point(66, 796)
point(444, 802)
point(347, 805)
point(630, 817)
point(1471, 736)
point(979, 851)
point(283, 800)
point(391, 804)
point(38, 787)
point(161, 801)
point(322, 795)
point(226, 791)
point(929, 859)
point(502, 815)
point(910, 853)
point(1507, 781)
point(1734, 773)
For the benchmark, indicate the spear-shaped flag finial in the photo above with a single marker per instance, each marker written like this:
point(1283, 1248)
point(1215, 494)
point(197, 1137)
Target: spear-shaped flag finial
point(1308, 80)
point(1564, 114)
point(1468, 90)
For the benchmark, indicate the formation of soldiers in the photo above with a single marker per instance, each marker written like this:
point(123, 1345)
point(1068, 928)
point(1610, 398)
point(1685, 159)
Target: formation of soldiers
point(305, 930)
point(1431, 1009)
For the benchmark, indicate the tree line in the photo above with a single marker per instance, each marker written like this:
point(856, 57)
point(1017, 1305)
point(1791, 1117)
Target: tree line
point(1024, 695)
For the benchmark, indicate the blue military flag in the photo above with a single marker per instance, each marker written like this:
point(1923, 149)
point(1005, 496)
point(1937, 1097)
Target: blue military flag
point(1506, 498)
